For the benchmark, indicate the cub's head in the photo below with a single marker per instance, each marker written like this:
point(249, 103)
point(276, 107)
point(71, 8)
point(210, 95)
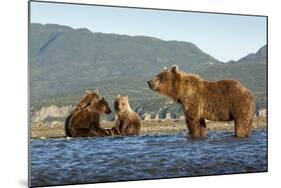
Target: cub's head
point(103, 106)
point(121, 104)
point(164, 81)
point(89, 98)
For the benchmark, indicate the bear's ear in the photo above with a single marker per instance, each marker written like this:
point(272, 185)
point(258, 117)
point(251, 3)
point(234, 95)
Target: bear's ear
point(118, 95)
point(127, 97)
point(97, 91)
point(175, 68)
point(165, 68)
point(88, 91)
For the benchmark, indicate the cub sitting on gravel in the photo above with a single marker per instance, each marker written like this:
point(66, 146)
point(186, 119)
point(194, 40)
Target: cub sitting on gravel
point(89, 97)
point(127, 121)
point(86, 122)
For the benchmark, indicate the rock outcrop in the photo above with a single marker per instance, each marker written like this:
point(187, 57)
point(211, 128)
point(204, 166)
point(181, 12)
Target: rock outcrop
point(51, 113)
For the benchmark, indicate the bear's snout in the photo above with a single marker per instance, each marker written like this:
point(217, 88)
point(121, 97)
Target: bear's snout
point(108, 111)
point(149, 83)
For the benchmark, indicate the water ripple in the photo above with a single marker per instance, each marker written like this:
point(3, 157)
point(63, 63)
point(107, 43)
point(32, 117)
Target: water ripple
point(89, 160)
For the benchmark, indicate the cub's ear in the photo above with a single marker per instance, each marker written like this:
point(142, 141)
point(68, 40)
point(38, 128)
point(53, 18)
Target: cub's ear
point(88, 91)
point(165, 68)
point(127, 96)
point(175, 68)
point(97, 91)
point(118, 95)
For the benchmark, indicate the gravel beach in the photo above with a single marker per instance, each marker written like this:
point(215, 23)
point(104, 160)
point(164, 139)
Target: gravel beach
point(149, 127)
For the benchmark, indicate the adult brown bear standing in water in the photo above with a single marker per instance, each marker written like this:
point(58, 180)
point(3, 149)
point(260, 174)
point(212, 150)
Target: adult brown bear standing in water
point(90, 97)
point(86, 122)
point(222, 100)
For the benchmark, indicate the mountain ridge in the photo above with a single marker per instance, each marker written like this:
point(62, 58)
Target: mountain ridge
point(259, 57)
point(65, 61)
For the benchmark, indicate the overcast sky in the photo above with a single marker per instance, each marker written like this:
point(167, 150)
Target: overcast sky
point(225, 37)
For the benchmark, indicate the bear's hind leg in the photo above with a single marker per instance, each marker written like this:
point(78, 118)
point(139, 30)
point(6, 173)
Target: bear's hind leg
point(248, 126)
point(73, 132)
point(243, 127)
point(203, 127)
point(83, 133)
point(243, 118)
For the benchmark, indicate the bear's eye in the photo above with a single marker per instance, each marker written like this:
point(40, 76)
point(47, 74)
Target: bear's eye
point(160, 78)
point(123, 104)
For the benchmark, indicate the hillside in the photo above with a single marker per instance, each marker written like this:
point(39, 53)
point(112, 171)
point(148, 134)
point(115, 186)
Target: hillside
point(65, 61)
point(251, 70)
point(259, 57)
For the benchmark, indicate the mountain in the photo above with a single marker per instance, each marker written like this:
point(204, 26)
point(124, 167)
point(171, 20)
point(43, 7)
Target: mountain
point(259, 57)
point(65, 61)
point(251, 70)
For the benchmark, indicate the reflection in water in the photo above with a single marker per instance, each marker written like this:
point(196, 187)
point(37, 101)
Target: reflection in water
point(89, 160)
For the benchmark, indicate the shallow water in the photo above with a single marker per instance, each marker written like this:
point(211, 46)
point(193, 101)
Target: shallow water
point(90, 160)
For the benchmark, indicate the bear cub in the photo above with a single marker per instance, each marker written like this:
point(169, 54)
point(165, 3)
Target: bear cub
point(86, 122)
point(127, 122)
point(90, 97)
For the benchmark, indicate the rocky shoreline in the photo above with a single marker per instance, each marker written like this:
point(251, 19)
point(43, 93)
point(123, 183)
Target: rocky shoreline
point(149, 127)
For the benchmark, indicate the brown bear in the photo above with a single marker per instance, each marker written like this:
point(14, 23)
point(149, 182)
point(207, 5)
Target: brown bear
point(86, 122)
point(89, 97)
point(127, 121)
point(223, 100)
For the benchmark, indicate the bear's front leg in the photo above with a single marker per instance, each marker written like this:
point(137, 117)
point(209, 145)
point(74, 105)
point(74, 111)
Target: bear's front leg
point(196, 128)
point(193, 127)
point(103, 132)
point(108, 132)
point(114, 131)
point(124, 127)
point(117, 127)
